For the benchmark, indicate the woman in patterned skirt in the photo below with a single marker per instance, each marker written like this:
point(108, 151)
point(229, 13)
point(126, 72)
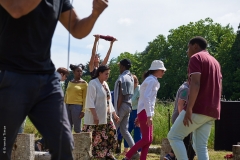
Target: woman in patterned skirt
point(98, 115)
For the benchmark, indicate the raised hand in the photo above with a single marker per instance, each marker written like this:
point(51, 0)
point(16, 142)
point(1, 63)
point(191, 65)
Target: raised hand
point(97, 36)
point(99, 6)
point(114, 39)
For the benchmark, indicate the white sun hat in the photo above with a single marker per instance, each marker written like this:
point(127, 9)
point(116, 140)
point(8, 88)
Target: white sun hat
point(157, 65)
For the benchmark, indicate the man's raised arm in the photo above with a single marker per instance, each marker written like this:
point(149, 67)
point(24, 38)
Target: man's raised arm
point(19, 8)
point(80, 28)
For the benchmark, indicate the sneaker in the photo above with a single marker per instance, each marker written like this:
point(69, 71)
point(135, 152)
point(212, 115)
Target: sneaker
point(136, 156)
point(168, 157)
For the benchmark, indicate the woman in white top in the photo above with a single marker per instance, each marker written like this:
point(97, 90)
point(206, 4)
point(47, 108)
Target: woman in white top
point(145, 110)
point(98, 115)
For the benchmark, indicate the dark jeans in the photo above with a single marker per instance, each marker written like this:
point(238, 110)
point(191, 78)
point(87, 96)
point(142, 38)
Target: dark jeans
point(41, 98)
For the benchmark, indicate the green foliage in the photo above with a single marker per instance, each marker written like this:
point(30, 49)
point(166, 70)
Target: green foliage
point(30, 128)
point(222, 44)
point(163, 112)
point(230, 61)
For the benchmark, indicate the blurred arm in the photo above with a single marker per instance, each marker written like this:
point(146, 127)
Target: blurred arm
point(80, 28)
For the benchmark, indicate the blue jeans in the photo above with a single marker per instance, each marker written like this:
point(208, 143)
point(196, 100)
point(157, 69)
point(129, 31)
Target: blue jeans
point(201, 128)
point(131, 127)
point(40, 97)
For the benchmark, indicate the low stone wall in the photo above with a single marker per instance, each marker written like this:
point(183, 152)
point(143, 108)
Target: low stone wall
point(23, 148)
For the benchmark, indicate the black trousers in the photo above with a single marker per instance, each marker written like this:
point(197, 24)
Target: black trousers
point(40, 97)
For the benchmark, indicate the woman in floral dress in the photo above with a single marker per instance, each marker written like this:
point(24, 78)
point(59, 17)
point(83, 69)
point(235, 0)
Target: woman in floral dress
point(98, 115)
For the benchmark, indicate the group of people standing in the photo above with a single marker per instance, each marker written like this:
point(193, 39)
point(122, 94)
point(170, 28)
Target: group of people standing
point(132, 107)
point(29, 86)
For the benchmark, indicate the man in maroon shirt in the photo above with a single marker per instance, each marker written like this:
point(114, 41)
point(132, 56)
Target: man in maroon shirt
point(203, 107)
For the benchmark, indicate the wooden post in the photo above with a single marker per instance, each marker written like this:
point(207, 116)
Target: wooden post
point(236, 152)
point(23, 148)
point(82, 146)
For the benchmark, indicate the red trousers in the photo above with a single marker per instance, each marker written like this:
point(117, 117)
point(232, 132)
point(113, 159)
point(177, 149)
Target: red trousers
point(147, 137)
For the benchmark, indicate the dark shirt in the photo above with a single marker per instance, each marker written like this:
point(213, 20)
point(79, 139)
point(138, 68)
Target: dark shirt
point(25, 42)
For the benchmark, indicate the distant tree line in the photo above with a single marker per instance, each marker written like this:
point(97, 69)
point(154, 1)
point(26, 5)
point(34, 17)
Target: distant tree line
point(223, 44)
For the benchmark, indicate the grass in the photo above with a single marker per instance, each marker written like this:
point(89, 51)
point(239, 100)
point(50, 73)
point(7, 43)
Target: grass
point(161, 128)
point(213, 155)
point(164, 110)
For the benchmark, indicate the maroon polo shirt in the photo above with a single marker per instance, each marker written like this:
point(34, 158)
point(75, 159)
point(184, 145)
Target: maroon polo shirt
point(208, 99)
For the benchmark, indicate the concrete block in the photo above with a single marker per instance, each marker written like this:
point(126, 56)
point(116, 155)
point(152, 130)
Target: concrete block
point(82, 146)
point(23, 148)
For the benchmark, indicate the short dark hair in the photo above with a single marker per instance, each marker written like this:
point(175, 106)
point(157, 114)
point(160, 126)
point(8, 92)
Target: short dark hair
point(202, 42)
point(73, 67)
point(101, 69)
point(126, 63)
point(63, 70)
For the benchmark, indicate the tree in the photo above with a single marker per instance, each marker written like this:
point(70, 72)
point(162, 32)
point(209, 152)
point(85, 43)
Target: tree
point(220, 39)
point(172, 51)
point(231, 69)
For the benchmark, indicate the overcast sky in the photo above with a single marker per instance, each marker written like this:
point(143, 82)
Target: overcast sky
point(135, 23)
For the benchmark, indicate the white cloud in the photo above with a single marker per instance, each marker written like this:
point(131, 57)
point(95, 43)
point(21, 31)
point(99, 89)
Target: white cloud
point(125, 21)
